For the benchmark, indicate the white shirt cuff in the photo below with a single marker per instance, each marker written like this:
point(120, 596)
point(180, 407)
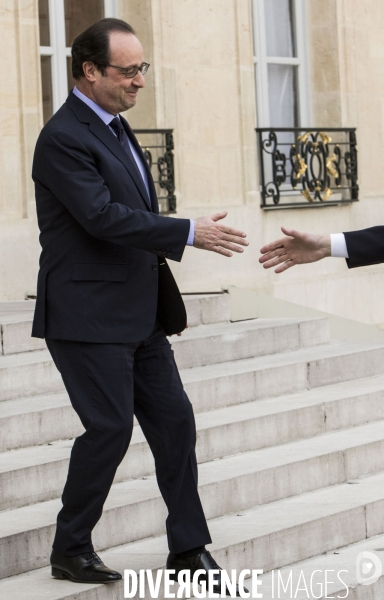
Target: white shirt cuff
point(191, 236)
point(339, 245)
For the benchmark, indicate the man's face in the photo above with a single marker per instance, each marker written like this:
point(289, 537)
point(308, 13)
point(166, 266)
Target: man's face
point(113, 90)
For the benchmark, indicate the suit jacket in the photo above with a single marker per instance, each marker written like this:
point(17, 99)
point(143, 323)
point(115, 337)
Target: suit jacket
point(100, 235)
point(365, 247)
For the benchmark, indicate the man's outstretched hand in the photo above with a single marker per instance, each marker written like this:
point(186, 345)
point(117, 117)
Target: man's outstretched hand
point(211, 235)
point(296, 248)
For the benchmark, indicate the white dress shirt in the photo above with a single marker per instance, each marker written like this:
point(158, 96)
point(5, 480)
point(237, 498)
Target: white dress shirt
point(339, 245)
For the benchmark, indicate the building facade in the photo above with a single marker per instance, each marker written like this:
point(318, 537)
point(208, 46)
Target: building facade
point(220, 69)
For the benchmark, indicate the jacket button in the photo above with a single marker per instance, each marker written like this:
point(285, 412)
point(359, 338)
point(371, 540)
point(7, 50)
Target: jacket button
point(154, 266)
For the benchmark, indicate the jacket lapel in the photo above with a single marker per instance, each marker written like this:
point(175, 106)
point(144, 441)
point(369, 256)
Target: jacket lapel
point(135, 143)
point(105, 135)
point(102, 131)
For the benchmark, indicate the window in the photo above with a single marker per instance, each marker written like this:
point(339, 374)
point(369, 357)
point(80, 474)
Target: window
point(281, 63)
point(60, 21)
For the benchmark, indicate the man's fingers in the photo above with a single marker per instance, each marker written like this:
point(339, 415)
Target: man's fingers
point(219, 216)
point(233, 232)
point(222, 251)
point(233, 239)
point(294, 233)
point(266, 257)
point(209, 235)
point(231, 242)
point(272, 262)
point(233, 247)
point(269, 255)
point(286, 265)
point(290, 232)
point(273, 246)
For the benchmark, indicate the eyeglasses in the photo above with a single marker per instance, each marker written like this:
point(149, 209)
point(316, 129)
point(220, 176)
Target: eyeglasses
point(131, 71)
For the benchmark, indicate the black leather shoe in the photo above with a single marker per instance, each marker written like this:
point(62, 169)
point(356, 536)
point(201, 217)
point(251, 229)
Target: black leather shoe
point(82, 568)
point(204, 561)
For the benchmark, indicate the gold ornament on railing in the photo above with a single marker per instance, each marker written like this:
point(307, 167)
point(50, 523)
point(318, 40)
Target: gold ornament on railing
point(304, 138)
point(330, 166)
point(303, 167)
point(327, 194)
point(325, 138)
point(307, 195)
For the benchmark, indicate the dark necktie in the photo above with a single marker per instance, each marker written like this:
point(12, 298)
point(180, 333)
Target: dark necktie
point(122, 136)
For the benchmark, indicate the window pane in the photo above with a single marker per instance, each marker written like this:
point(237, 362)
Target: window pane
point(80, 15)
point(71, 81)
point(44, 23)
point(46, 87)
point(282, 92)
point(279, 28)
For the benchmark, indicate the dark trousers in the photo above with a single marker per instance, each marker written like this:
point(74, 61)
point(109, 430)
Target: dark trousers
point(107, 385)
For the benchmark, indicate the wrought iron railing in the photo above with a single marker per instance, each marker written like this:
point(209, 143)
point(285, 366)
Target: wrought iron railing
point(307, 167)
point(157, 145)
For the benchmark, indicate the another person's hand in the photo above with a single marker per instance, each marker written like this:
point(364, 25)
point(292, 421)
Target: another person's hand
point(296, 248)
point(211, 235)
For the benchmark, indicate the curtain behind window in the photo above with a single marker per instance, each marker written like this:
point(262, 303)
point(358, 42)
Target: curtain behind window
point(282, 79)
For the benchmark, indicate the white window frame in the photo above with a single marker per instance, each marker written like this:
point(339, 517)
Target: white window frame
point(59, 52)
point(301, 61)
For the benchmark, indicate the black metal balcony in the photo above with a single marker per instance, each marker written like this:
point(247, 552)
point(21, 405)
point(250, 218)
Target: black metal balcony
point(307, 168)
point(157, 145)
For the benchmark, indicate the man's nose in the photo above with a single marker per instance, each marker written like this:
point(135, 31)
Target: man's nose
point(139, 80)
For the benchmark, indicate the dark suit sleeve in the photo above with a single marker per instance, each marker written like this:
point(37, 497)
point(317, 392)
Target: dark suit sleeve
point(365, 247)
point(65, 166)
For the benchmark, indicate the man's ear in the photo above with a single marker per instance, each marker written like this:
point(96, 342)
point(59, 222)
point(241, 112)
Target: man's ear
point(89, 70)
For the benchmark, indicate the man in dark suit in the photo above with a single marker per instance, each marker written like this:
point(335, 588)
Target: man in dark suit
point(360, 248)
point(106, 300)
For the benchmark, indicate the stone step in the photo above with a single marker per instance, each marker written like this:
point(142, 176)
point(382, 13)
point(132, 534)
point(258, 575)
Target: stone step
point(28, 374)
point(45, 418)
point(203, 309)
point(38, 473)
point(342, 562)
point(212, 344)
point(265, 537)
point(326, 364)
point(230, 485)
point(37, 420)
point(16, 320)
point(33, 373)
point(334, 574)
point(42, 419)
point(15, 331)
point(38, 584)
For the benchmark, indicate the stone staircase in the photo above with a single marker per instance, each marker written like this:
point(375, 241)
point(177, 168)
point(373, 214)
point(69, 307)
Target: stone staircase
point(290, 445)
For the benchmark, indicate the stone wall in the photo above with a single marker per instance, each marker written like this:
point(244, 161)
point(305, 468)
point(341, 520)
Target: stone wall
point(20, 123)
